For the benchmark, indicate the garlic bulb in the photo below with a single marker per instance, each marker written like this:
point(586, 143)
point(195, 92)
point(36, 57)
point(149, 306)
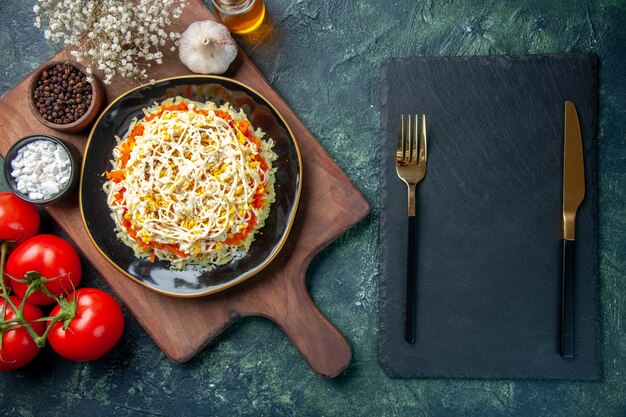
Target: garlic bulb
point(206, 47)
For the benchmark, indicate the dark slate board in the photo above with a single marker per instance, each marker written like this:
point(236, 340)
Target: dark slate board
point(489, 218)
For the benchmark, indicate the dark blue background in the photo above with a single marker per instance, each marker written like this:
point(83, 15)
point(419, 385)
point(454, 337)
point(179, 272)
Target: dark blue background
point(324, 58)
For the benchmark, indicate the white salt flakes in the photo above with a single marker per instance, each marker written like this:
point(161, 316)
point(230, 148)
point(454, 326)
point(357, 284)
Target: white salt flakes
point(41, 169)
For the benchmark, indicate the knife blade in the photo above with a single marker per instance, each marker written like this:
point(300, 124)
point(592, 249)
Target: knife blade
point(573, 195)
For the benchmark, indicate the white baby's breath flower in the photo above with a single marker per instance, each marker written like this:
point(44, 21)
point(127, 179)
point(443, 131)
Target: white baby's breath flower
point(115, 36)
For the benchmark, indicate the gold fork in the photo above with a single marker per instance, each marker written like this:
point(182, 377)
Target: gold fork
point(411, 159)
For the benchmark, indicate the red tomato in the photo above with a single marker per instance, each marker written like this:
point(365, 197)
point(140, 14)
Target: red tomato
point(18, 347)
point(19, 220)
point(95, 329)
point(51, 257)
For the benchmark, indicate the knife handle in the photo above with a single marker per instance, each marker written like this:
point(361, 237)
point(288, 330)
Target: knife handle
point(567, 299)
point(411, 272)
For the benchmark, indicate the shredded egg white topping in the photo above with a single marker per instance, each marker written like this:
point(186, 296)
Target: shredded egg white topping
point(191, 183)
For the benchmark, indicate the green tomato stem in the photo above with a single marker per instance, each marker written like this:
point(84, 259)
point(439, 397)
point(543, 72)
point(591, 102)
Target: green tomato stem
point(4, 254)
point(46, 291)
point(36, 282)
point(5, 294)
point(19, 312)
point(29, 290)
point(41, 340)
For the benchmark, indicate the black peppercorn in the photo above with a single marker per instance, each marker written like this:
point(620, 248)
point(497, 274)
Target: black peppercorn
point(59, 100)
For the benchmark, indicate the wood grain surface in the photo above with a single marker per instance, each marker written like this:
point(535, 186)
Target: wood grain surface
point(329, 205)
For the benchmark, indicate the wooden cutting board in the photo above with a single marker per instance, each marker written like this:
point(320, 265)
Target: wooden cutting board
point(329, 205)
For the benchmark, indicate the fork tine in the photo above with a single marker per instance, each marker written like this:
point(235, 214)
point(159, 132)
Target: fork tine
point(408, 140)
point(400, 145)
point(414, 140)
point(423, 156)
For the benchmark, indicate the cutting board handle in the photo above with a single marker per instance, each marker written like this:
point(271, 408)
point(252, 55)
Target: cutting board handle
point(322, 346)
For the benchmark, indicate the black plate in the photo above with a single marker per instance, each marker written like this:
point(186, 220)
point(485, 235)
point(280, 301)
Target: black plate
point(193, 281)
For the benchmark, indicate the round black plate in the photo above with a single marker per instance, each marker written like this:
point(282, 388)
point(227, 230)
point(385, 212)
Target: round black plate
point(193, 281)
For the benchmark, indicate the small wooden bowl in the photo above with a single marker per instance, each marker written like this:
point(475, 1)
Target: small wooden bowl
point(77, 125)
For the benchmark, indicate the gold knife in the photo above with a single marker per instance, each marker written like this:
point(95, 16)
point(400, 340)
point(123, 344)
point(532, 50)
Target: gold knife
point(573, 194)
